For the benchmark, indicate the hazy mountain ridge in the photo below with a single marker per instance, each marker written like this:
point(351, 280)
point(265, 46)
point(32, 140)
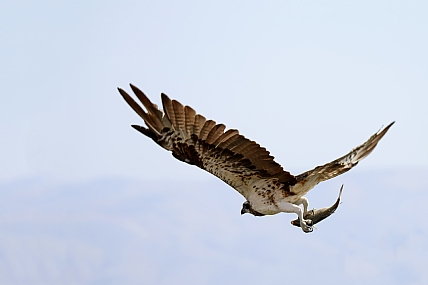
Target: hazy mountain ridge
point(112, 231)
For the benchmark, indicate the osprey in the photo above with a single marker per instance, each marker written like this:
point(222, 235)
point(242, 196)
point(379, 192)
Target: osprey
point(241, 163)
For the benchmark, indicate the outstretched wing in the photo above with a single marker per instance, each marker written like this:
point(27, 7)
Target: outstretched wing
point(197, 141)
point(340, 165)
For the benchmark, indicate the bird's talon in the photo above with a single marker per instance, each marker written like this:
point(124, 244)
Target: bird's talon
point(308, 230)
point(307, 226)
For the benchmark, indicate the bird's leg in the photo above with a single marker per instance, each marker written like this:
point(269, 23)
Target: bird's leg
point(286, 207)
point(305, 202)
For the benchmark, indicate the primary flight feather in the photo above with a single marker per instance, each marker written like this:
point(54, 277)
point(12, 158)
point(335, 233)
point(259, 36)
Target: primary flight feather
point(238, 161)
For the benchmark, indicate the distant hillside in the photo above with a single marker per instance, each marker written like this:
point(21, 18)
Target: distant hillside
point(119, 231)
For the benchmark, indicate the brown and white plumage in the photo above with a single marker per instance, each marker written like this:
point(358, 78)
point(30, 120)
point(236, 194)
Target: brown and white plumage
point(238, 161)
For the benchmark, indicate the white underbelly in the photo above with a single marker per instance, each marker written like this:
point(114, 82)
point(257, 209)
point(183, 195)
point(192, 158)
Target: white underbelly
point(267, 204)
point(263, 196)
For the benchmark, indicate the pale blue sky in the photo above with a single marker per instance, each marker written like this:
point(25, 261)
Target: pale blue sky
point(85, 199)
point(307, 80)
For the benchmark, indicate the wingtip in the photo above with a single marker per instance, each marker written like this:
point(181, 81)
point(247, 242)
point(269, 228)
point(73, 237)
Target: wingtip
point(383, 130)
point(122, 92)
point(387, 127)
point(164, 96)
point(134, 88)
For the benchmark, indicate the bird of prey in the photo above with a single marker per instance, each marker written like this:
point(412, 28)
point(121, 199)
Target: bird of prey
point(241, 163)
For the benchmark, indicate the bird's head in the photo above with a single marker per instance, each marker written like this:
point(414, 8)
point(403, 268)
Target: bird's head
point(246, 208)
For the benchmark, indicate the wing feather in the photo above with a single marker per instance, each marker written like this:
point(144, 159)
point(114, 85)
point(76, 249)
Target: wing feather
point(199, 123)
point(206, 129)
point(134, 105)
point(189, 122)
point(215, 133)
point(229, 141)
point(179, 115)
point(193, 139)
point(168, 109)
point(342, 164)
point(251, 150)
point(227, 154)
point(150, 107)
point(224, 137)
point(240, 141)
point(242, 146)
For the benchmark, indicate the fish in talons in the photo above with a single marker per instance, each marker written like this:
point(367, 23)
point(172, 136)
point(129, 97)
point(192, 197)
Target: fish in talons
point(317, 215)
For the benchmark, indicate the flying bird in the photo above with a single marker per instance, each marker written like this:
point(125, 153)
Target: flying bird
point(242, 163)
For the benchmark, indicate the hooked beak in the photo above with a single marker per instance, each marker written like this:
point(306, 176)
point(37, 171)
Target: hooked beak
point(244, 211)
